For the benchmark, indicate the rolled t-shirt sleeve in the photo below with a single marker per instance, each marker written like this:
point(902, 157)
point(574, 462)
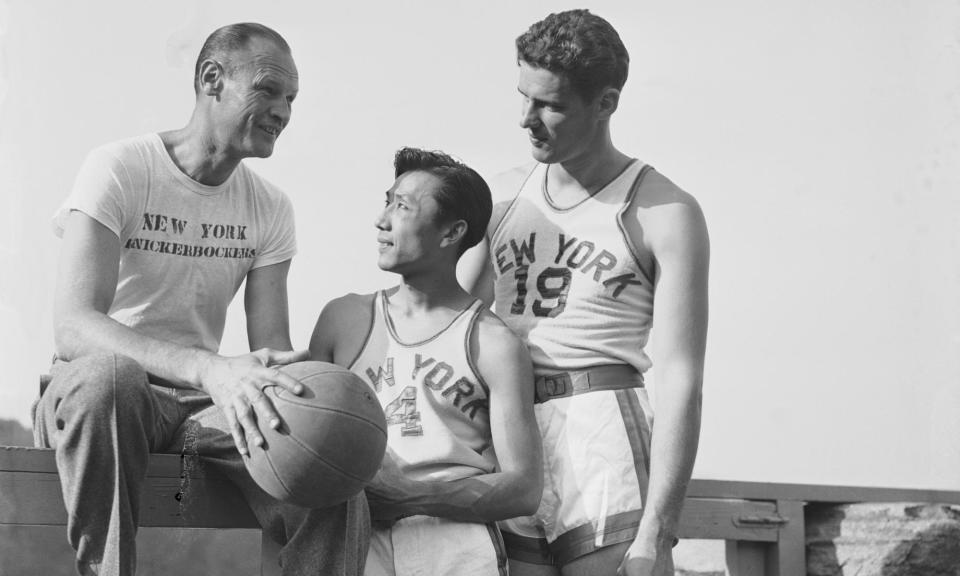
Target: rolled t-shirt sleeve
point(97, 192)
point(280, 235)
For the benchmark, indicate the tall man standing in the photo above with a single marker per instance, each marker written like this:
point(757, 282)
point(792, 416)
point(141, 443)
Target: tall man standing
point(577, 246)
point(158, 234)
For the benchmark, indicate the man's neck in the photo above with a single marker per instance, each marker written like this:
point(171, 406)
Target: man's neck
point(570, 182)
point(197, 154)
point(425, 293)
point(590, 171)
point(421, 307)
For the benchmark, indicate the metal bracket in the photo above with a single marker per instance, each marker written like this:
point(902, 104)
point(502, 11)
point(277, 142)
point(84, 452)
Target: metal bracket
point(760, 521)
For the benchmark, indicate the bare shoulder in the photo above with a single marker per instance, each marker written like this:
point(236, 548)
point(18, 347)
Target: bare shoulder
point(505, 185)
point(504, 188)
point(663, 214)
point(491, 327)
point(657, 190)
point(497, 351)
point(349, 305)
point(341, 328)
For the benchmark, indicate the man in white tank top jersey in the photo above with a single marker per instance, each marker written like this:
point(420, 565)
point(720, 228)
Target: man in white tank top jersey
point(456, 384)
point(577, 245)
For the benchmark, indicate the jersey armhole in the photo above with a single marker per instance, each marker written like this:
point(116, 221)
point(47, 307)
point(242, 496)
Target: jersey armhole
point(471, 361)
point(366, 339)
point(621, 223)
point(513, 203)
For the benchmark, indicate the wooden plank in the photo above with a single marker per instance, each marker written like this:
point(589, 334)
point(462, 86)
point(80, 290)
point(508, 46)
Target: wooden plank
point(30, 495)
point(720, 519)
point(788, 557)
point(703, 488)
point(31, 498)
point(35, 499)
point(25, 459)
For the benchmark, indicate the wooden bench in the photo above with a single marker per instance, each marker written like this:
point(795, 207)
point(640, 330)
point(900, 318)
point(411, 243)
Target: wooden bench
point(763, 524)
point(764, 533)
point(30, 496)
point(764, 537)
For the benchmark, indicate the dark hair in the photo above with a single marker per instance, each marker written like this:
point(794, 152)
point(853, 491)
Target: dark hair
point(582, 46)
point(227, 40)
point(463, 194)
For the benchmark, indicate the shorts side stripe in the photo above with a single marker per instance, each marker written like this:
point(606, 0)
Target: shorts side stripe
point(639, 436)
point(527, 549)
point(582, 540)
point(498, 547)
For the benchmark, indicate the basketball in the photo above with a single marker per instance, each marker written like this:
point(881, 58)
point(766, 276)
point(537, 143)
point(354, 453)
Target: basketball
point(330, 442)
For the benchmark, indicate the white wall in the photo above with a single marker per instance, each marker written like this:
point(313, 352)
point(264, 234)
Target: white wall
point(822, 139)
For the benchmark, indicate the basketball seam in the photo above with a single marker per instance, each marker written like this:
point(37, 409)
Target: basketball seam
point(334, 410)
point(324, 460)
point(276, 474)
point(296, 401)
point(309, 375)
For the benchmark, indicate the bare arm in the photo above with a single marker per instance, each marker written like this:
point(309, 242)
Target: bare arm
point(341, 329)
point(514, 488)
point(265, 306)
point(86, 283)
point(475, 270)
point(680, 245)
point(324, 334)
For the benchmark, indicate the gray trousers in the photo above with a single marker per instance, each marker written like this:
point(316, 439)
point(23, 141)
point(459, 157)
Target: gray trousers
point(104, 418)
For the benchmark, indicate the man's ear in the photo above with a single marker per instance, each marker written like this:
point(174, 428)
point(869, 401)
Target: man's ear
point(211, 77)
point(454, 233)
point(608, 100)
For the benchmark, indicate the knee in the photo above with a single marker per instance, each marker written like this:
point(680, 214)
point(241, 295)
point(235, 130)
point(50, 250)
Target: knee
point(101, 382)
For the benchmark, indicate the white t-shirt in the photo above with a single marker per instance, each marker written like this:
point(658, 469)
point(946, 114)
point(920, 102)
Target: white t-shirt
point(185, 247)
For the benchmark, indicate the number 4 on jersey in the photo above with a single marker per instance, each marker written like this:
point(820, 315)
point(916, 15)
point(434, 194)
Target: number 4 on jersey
point(404, 411)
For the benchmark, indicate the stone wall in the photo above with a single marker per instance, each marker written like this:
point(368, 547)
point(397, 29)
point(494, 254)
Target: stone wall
point(883, 540)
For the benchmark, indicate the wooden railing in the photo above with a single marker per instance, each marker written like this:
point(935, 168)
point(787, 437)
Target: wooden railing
point(30, 496)
point(762, 524)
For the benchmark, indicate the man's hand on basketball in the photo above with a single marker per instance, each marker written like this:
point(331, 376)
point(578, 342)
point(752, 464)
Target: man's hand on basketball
point(236, 385)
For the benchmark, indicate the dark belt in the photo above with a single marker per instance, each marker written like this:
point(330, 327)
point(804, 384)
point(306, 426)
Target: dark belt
point(607, 377)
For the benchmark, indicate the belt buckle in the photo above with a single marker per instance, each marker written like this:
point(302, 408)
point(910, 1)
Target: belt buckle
point(557, 385)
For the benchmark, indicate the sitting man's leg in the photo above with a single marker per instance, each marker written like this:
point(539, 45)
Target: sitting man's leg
point(101, 416)
point(314, 541)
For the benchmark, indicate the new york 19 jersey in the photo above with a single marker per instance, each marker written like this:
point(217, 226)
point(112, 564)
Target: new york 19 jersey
point(567, 280)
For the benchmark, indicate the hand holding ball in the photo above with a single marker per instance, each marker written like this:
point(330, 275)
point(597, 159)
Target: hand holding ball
point(331, 440)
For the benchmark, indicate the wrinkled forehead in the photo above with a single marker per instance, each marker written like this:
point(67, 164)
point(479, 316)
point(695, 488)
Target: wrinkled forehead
point(264, 56)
